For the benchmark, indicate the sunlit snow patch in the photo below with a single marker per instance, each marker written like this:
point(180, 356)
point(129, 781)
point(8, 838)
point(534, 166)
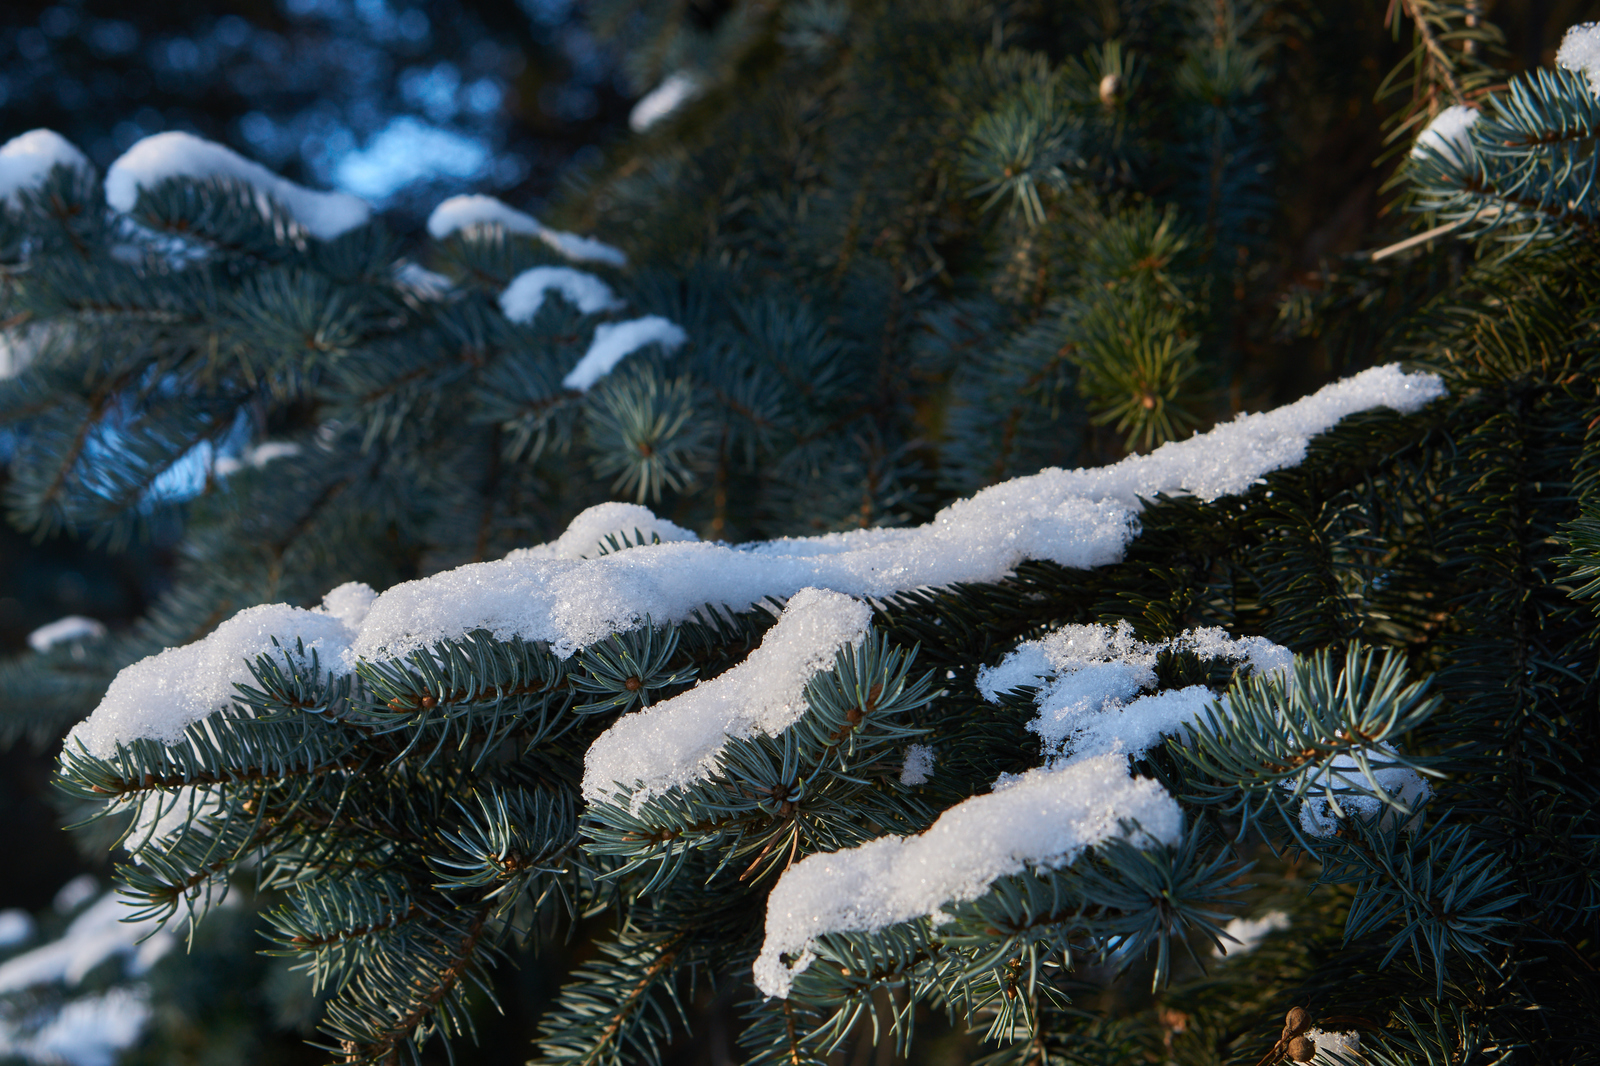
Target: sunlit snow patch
point(466, 213)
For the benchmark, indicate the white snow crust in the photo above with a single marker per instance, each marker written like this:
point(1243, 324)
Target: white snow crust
point(918, 766)
point(1448, 135)
point(16, 927)
point(27, 159)
point(470, 212)
point(1580, 51)
point(1343, 1049)
point(1249, 932)
point(615, 340)
point(1090, 673)
point(87, 1031)
point(94, 936)
point(1079, 518)
point(62, 630)
point(182, 155)
point(160, 696)
point(522, 299)
point(1044, 818)
point(420, 281)
point(680, 741)
point(1317, 813)
point(258, 456)
point(675, 90)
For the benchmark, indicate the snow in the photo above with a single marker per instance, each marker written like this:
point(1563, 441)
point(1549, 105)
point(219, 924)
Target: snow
point(1580, 51)
point(16, 927)
point(87, 1031)
point(467, 213)
point(27, 159)
point(585, 537)
point(62, 630)
point(161, 696)
point(1319, 813)
point(472, 211)
point(1448, 135)
point(420, 281)
point(918, 767)
point(75, 893)
point(1044, 818)
point(675, 90)
point(525, 295)
point(96, 935)
point(182, 155)
point(1249, 932)
point(583, 249)
point(1340, 1048)
point(1080, 519)
point(615, 340)
point(678, 742)
point(256, 457)
point(1091, 672)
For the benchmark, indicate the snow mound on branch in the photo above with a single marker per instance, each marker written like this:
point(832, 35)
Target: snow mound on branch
point(62, 630)
point(1249, 932)
point(675, 90)
point(613, 341)
point(522, 299)
point(27, 159)
point(174, 154)
point(1448, 135)
point(467, 213)
point(1079, 518)
point(161, 696)
point(918, 766)
point(586, 537)
point(1343, 789)
point(94, 936)
point(680, 741)
point(87, 1031)
point(1043, 818)
point(1580, 51)
point(1090, 672)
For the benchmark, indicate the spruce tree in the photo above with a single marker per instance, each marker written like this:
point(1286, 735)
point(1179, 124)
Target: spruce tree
point(720, 591)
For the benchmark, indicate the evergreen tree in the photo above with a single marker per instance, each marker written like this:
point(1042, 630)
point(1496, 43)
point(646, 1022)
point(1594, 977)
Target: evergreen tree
point(874, 716)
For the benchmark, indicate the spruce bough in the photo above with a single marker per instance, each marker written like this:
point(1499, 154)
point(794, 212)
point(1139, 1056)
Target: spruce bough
point(1365, 677)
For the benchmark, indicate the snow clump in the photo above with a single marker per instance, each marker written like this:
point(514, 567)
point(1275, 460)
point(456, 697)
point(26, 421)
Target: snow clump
point(1448, 135)
point(175, 154)
point(615, 340)
point(1079, 518)
point(468, 213)
point(679, 741)
point(677, 89)
point(522, 299)
point(1249, 932)
point(1044, 818)
point(74, 627)
point(918, 766)
point(27, 159)
point(1580, 52)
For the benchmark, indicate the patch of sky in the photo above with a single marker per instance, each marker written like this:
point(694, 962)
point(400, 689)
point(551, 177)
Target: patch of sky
point(408, 151)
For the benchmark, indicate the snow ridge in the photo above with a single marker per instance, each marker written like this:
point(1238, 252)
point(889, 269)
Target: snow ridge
point(27, 159)
point(1079, 518)
point(471, 212)
point(175, 154)
point(680, 741)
